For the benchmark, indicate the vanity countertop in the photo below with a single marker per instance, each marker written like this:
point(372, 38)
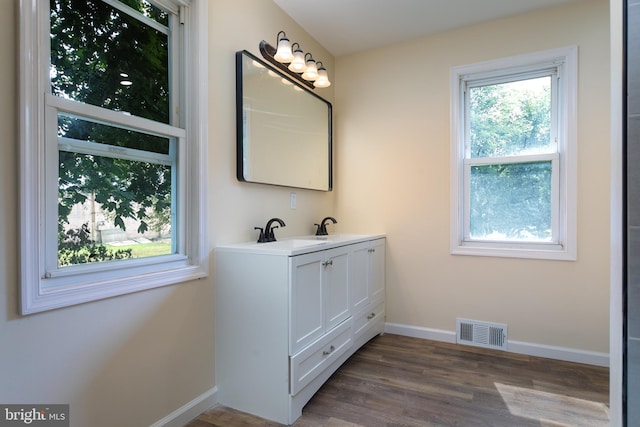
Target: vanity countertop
point(298, 245)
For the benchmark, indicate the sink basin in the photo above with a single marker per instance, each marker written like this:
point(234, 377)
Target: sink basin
point(339, 237)
point(295, 243)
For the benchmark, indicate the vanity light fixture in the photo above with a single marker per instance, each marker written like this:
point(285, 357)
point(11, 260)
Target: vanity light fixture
point(301, 65)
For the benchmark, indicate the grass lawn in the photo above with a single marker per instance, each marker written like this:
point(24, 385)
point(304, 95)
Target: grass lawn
point(141, 250)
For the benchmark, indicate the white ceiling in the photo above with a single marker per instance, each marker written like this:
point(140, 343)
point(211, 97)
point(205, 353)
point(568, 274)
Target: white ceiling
point(348, 26)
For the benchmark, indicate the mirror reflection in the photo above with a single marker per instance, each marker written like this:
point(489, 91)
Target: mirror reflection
point(284, 129)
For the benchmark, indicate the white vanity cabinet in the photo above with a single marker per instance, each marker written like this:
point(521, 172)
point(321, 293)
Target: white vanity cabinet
point(289, 313)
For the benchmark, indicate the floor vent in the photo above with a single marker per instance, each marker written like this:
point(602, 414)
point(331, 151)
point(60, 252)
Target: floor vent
point(481, 334)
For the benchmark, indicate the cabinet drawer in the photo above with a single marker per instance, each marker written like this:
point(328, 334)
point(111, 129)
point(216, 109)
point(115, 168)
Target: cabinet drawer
point(311, 361)
point(366, 318)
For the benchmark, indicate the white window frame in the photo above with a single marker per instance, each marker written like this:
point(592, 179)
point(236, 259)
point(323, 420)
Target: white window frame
point(45, 288)
point(564, 161)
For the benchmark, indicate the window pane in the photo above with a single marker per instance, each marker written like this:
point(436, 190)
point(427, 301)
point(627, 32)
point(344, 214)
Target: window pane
point(112, 209)
point(101, 56)
point(85, 130)
point(511, 202)
point(508, 119)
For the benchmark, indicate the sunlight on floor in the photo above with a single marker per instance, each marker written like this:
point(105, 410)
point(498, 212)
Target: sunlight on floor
point(553, 409)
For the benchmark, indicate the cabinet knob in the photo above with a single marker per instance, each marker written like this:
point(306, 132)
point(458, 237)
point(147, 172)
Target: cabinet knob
point(327, 263)
point(331, 350)
point(371, 316)
point(372, 250)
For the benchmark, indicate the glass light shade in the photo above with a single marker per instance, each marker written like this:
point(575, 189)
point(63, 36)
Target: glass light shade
point(283, 53)
point(323, 78)
point(311, 72)
point(297, 64)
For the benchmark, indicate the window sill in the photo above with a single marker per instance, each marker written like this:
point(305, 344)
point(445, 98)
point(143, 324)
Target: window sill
point(554, 252)
point(43, 297)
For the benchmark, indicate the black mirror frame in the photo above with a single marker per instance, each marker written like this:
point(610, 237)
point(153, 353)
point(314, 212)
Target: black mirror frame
point(239, 121)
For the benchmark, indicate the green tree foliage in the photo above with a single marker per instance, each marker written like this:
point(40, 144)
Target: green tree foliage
point(76, 247)
point(95, 47)
point(510, 118)
point(510, 200)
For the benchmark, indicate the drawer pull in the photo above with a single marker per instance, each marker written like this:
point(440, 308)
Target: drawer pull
point(331, 350)
point(371, 316)
point(327, 263)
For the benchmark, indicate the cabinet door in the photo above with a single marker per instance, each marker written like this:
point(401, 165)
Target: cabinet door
point(359, 271)
point(376, 270)
point(305, 303)
point(336, 287)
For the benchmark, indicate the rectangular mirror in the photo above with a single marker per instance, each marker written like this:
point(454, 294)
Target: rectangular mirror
point(283, 129)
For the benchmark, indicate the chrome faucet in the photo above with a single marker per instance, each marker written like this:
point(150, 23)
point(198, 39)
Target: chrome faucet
point(322, 227)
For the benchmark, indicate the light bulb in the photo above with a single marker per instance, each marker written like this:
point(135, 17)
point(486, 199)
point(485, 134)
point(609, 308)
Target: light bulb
point(311, 72)
point(297, 64)
point(323, 78)
point(283, 52)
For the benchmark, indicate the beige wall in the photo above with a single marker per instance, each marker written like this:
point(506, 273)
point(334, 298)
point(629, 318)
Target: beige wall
point(235, 208)
point(132, 360)
point(393, 144)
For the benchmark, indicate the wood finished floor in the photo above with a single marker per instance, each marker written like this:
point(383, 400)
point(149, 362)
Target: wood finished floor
point(397, 381)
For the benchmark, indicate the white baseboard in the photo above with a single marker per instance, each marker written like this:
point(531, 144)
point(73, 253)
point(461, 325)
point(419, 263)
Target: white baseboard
point(560, 353)
point(420, 332)
point(190, 410)
point(530, 349)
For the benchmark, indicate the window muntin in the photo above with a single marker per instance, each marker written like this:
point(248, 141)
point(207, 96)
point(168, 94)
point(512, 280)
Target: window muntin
point(497, 174)
point(83, 129)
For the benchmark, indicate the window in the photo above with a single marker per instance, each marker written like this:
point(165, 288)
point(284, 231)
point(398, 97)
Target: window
point(112, 197)
point(513, 139)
